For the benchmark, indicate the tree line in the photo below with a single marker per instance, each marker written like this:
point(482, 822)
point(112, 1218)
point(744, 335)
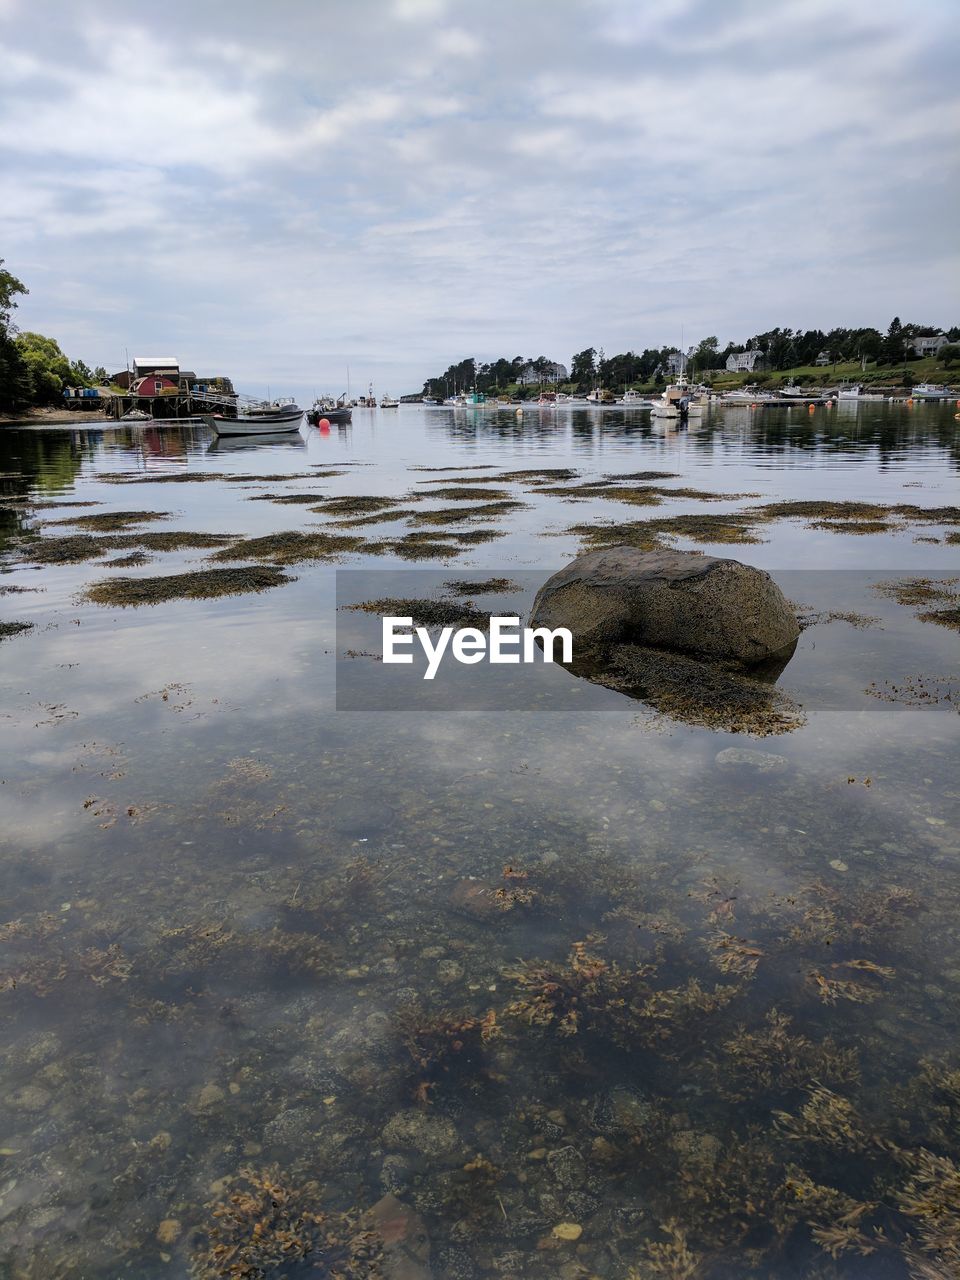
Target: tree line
point(781, 348)
point(33, 369)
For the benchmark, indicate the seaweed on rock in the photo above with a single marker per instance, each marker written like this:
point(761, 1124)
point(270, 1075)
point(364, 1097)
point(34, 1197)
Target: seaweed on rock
point(271, 1223)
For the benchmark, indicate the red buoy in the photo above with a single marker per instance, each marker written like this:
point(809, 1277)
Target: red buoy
point(324, 424)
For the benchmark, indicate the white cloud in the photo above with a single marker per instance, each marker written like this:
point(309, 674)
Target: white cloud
point(455, 42)
point(419, 10)
point(378, 183)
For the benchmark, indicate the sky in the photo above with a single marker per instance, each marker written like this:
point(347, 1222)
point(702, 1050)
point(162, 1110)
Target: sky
point(279, 192)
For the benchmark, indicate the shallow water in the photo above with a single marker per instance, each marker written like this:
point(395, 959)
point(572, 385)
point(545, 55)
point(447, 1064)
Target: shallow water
point(246, 928)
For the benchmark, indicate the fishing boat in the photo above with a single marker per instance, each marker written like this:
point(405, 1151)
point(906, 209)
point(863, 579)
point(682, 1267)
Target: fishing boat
point(473, 399)
point(634, 400)
point(679, 400)
point(258, 419)
point(335, 411)
point(388, 402)
point(856, 392)
point(748, 395)
point(931, 391)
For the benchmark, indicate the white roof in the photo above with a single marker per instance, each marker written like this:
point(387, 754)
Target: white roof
point(161, 362)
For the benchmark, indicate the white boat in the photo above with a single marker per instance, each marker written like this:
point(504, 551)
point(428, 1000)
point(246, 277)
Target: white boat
point(856, 392)
point(932, 391)
point(387, 402)
point(748, 395)
point(679, 400)
point(258, 419)
point(635, 399)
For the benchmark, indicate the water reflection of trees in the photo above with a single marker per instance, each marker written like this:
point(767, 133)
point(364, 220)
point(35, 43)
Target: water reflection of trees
point(890, 431)
point(32, 462)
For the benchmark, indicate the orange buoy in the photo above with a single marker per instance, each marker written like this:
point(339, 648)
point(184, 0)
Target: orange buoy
point(909, 399)
point(811, 408)
point(324, 426)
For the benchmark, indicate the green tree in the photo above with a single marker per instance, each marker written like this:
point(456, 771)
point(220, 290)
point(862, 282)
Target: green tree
point(949, 354)
point(892, 350)
point(707, 355)
point(582, 367)
point(81, 375)
point(47, 367)
point(15, 384)
point(10, 287)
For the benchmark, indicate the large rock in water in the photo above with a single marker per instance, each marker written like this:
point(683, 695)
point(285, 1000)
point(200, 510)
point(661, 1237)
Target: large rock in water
point(715, 609)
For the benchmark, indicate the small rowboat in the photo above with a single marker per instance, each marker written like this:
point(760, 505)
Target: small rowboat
point(260, 420)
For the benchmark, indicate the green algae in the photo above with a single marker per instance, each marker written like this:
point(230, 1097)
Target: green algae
point(203, 584)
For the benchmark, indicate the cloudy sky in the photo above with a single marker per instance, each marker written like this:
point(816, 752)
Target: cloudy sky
point(277, 191)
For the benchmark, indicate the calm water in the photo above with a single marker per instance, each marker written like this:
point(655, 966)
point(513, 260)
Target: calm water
point(587, 999)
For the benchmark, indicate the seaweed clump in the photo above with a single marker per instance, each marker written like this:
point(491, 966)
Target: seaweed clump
point(114, 521)
point(916, 592)
point(204, 584)
point(426, 613)
point(8, 629)
point(291, 547)
point(269, 1225)
point(648, 535)
point(697, 693)
point(76, 548)
point(466, 587)
point(454, 515)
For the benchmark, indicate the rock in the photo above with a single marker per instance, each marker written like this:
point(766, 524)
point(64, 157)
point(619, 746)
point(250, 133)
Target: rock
point(567, 1231)
point(747, 758)
point(405, 1240)
point(449, 971)
point(476, 898)
point(712, 608)
point(30, 1097)
point(395, 1174)
point(210, 1095)
point(168, 1231)
point(568, 1167)
point(430, 1135)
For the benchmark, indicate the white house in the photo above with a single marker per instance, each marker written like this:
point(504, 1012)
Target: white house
point(926, 346)
point(529, 375)
point(745, 361)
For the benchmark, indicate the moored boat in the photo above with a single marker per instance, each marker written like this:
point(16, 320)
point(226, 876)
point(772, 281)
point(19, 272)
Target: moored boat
point(257, 419)
point(679, 400)
point(388, 402)
point(856, 392)
point(335, 411)
point(932, 391)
